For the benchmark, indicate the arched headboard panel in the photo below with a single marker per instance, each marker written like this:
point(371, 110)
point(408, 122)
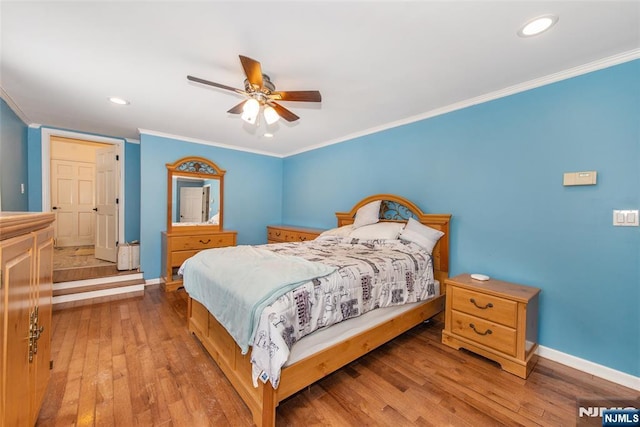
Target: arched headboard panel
point(397, 208)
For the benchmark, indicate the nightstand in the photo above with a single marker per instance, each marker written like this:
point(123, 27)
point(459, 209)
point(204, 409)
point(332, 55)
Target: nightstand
point(496, 319)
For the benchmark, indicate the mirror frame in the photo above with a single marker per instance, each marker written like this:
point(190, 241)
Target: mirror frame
point(193, 167)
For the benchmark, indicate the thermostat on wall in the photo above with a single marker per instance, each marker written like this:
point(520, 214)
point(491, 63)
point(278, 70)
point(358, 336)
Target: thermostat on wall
point(580, 178)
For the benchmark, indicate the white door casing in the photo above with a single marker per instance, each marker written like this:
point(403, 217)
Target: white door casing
point(72, 200)
point(106, 236)
point(47, 134)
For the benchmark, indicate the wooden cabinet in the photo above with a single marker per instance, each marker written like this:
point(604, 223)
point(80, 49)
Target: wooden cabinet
point(26, 283)
point(177, 247)
point(496, 319)
point(289, 233)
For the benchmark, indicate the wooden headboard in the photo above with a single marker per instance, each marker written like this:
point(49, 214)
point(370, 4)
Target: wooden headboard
point(398, 209)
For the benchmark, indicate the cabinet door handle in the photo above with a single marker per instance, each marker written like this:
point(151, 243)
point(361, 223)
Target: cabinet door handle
point(487, 332)
point(204, 243)
point(473, 301)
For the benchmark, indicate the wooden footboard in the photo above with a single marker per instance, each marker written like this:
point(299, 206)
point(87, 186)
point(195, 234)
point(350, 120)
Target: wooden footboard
point(263, 400)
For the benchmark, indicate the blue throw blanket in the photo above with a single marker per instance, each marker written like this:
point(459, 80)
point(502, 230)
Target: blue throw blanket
point(236, 283)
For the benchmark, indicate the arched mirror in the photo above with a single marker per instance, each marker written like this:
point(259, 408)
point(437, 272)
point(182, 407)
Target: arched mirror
point(195, 188)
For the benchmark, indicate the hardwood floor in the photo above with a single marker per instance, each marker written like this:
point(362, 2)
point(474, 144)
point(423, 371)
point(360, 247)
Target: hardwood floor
point(133, 362)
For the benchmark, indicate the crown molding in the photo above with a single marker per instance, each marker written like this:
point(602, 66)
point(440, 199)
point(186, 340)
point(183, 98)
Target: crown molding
point(14, 107)
point(511, 90)
point(205, 142)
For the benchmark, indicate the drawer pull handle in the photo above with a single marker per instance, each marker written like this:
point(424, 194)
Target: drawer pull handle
point(204, 243)
point(278, 233)
point(489, 305)
point(487, 332)
point(302, 238)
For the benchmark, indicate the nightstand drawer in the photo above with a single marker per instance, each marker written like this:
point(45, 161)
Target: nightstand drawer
point(203, 241)
point(483, 332)
point(485, 306)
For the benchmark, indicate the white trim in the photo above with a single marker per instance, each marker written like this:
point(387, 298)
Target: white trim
point(47, 133)
point(97, 281)
point(583, 365)
point(97, 294)
point(133, 141)
point(205, 142)
point(511, 90)
point(151, 282)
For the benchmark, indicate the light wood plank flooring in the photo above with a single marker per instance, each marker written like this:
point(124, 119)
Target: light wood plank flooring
point(133, 362)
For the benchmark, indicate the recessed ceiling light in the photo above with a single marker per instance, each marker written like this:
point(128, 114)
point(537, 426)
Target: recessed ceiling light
point(268, 135)
point(537, 25)
point(118, 101)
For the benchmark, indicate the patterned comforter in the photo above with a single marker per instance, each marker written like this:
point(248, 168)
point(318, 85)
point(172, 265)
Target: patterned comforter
point(370, 274)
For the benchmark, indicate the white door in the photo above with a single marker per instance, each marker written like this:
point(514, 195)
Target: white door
point(106, 204)
point(191, 204)
point(72, 200)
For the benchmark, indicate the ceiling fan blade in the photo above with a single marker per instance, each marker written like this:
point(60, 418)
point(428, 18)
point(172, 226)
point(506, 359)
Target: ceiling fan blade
point(253, 70)
point(297, 95)
point(237, 109)
point(284, 113)
point(218, 85)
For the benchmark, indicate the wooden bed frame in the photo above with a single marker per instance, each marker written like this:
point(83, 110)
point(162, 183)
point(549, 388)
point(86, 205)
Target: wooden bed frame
point(263, 400)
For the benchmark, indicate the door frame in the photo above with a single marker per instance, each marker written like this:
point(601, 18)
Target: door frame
point(47, 133)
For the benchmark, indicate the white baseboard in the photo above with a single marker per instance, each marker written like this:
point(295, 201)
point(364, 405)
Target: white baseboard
point(583, 365)
point(150, 282)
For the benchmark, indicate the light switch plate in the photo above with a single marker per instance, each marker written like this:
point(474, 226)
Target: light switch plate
point(625, 218)
point(580, 178)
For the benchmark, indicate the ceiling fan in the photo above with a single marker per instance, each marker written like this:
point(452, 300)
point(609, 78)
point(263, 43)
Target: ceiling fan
point(261, 94)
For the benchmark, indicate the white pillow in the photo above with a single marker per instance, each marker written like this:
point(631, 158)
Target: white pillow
point(343, 231)
point(420, 234)
point(367, 214)
point(381, 230)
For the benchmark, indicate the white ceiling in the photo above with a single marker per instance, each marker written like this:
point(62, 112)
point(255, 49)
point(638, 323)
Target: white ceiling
point(376, 64)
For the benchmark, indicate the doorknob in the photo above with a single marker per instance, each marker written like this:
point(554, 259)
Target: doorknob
point(95, 209)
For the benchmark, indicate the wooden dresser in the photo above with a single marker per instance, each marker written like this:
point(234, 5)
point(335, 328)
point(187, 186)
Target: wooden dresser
point(177, 247)
point(26, 284)
point(496, 319)
point(290, 233)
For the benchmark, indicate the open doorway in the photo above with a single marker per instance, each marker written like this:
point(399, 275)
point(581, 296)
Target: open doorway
point(85, 191)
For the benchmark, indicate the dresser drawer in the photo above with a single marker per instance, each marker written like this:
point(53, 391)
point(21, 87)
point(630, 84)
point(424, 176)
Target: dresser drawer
point(203, 241)
point(178, 257)
point(487, 333)
point(489, 307)
point(276, 234)
point(299, 236)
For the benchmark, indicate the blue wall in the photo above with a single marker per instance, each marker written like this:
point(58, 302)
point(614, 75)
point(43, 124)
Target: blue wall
point(13, 157)
point(252, 192)
point(132, 191)
point(498, 168)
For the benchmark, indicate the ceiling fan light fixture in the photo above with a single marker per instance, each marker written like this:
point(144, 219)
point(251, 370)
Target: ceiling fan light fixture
point(250, 111)
point(537, 25)
point(270, 115)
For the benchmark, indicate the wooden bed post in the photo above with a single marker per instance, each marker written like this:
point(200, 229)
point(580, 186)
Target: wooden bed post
point(268, 416)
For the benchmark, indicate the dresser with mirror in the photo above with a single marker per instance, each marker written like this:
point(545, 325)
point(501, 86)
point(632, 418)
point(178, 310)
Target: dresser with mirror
point(195, 213)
